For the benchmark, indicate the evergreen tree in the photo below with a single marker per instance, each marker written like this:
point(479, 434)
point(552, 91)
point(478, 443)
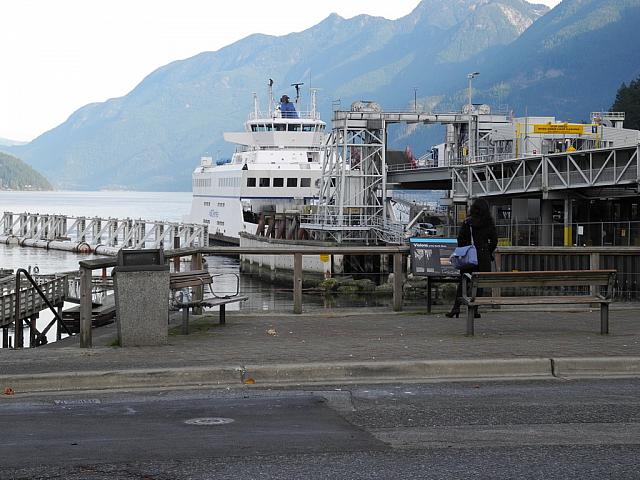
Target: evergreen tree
point(628, 101)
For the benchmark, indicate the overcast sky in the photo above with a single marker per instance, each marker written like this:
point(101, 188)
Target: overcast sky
point(58, 55)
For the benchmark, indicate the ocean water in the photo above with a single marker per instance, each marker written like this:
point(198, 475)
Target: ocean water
point(169, 206)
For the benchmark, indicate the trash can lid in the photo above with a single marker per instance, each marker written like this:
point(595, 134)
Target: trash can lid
point(141, 260)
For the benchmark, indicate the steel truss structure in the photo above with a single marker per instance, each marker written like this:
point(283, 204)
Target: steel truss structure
point(95, 231)
point(541, 175)
point(353, 202)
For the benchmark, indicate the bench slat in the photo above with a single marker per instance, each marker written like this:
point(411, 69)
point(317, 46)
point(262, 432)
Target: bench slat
point(191, 278)
point(551, 282)
point(555, 300)
point(542, 273)
point(542, 278)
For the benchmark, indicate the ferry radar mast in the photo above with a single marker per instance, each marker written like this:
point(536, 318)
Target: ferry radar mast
point(297, 87)
point(270, 96)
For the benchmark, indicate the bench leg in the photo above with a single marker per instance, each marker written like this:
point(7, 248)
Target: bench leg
point(185, 320)
point(604, 318)
point(222, 314)
point(470, 318)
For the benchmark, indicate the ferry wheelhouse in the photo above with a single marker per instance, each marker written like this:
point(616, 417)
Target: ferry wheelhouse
point(275, 170)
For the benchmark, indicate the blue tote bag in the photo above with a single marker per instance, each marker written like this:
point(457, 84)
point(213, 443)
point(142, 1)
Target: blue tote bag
point(465, 257)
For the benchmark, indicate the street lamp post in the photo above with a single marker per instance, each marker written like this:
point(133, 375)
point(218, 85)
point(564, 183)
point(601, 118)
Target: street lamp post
point(471, 76)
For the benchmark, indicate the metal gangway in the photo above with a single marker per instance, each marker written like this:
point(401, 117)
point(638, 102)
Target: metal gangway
point(23, 298)
point(354, 202)
point(540, 175)
point(98, 235)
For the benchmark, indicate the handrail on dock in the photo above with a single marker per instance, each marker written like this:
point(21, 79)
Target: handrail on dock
point(399, 258)
point(40, 338)
point(399, 253)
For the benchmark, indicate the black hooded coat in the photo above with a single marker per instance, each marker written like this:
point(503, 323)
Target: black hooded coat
point(485, 239)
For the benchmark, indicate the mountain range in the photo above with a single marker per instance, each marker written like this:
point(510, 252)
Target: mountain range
point(566, 62)
point(5, 142)
point(17, 175)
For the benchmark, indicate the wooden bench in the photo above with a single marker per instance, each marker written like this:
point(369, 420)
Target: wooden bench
point(594, 279)
point(194, 279)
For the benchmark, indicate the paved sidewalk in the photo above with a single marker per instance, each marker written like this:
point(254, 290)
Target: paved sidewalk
point(374, 344)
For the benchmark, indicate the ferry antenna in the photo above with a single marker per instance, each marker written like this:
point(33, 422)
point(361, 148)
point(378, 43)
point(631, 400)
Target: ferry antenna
point(297, 87)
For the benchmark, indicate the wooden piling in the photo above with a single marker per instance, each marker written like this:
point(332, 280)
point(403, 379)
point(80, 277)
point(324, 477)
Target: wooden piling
point(398, 281)
point(176, 260)
point(198, 292)
point(18, 334)
point(297, 283)
point(85, 307)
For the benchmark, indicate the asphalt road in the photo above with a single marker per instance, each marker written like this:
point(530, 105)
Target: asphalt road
point(547, 429)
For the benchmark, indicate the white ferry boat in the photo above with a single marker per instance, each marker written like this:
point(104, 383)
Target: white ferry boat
point(275, 171)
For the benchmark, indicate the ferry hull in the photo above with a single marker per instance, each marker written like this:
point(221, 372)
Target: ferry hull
point(321, 265)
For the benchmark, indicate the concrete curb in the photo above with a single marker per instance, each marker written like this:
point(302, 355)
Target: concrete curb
point(324, 373)
point(397, 371)
point(572, 367)
point(121, 379)
point(283, 374)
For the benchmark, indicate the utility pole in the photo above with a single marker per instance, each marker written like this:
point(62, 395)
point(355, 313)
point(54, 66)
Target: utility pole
point(471, 142)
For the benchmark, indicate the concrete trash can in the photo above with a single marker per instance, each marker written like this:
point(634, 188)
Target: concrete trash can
point(141, 284)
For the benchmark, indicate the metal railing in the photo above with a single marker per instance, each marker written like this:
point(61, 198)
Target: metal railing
point(580, 234)
point(399, 254)
point(276, 114)
point(626, 260)
point(22, 305)
point(386, 229)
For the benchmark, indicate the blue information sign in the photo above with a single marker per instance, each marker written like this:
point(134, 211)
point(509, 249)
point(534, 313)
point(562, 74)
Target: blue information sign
point(430, 256)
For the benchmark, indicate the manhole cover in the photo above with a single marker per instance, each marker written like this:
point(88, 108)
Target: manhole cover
point(209, 421)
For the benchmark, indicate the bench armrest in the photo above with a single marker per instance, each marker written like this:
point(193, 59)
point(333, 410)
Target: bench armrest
point(230, 295)
point(469, 287)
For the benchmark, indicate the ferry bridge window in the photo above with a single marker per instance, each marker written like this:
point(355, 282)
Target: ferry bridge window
point(307, 128)
point(292, 127)
point(280, 127)
point(305, 182)
point(265, 182)
point(253, 128)
point(278, 182)
point(251, 182)
point(292, 182)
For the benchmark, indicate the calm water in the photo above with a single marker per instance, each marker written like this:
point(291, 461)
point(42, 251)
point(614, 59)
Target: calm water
point(170, 206)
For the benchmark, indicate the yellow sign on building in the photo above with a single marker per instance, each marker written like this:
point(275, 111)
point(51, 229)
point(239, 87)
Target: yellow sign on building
point(559, 128)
